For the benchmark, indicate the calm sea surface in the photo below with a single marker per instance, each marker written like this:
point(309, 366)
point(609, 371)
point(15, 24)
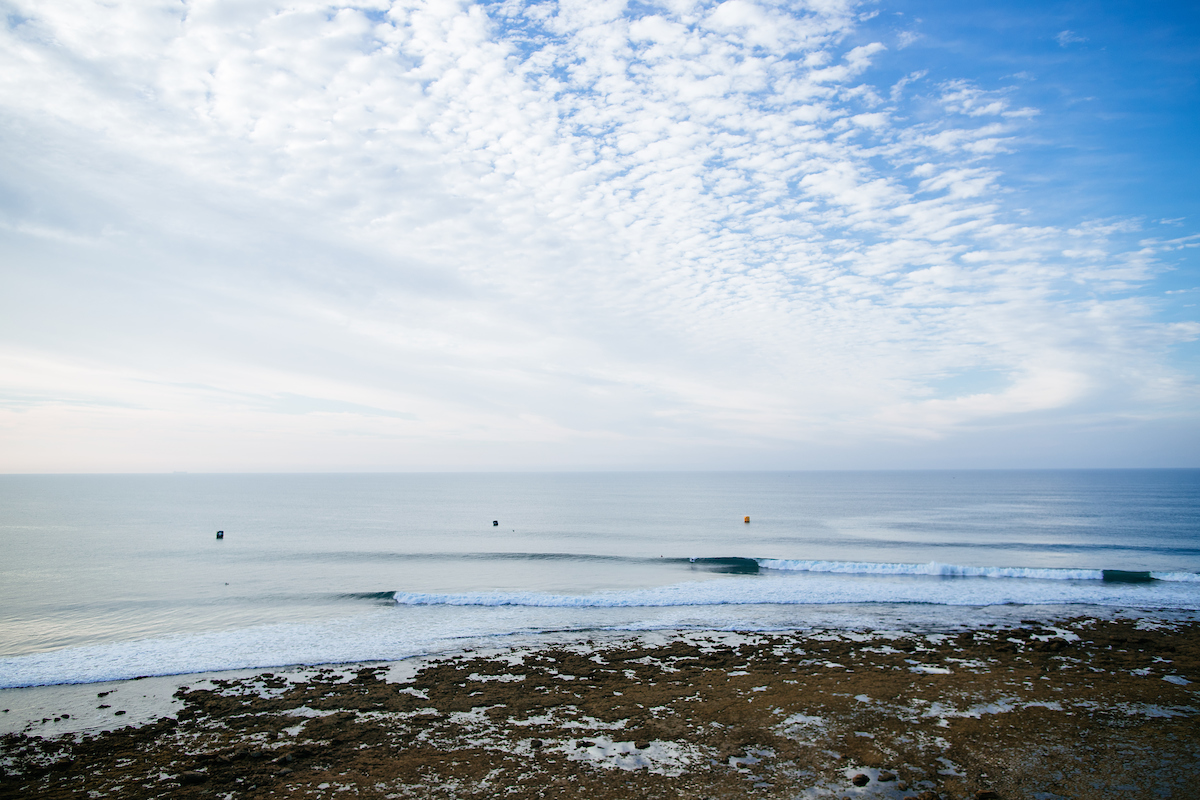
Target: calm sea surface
point(116, 576)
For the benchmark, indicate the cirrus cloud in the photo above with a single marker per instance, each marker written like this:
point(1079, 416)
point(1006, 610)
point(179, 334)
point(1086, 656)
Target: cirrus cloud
point(531, 234)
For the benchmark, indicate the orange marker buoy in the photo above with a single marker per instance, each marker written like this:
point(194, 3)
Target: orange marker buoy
point(747, 519)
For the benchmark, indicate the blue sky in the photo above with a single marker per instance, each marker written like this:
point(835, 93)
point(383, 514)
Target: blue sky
point(1115, 85)
point(1117, 88)
point(597, 235)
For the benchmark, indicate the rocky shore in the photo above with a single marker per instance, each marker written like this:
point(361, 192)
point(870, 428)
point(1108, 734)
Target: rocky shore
point(1080, 708)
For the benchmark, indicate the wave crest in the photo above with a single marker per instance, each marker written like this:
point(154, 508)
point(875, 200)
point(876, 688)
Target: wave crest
point(932, 568)
point(936, 569)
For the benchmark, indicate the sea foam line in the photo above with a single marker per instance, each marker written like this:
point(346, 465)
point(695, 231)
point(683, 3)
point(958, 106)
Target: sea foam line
point(834, 589)
point(769, 602)
point(934, 568)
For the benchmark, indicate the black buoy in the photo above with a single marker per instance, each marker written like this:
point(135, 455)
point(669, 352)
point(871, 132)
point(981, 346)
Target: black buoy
point(495, 523)
point(220, 534)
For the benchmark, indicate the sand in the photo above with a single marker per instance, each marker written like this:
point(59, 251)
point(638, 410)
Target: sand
point(1073, 708)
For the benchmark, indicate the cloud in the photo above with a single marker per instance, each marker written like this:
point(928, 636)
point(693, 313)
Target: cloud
point(428, 234)
point(1067, 38)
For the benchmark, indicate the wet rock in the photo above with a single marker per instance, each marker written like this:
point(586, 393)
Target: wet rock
point(192, 778)
point(230, 757)
point(234, 737)
point(861, 779)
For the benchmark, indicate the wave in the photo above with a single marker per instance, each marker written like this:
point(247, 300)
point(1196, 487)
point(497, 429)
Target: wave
point(391, 634)
point(743, 565)
point(419, 623)
point(780, 590)
point(934, 568)
point(375, 597)
point(836, 589)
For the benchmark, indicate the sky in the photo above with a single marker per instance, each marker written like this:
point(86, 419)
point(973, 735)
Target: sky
point(253, 235)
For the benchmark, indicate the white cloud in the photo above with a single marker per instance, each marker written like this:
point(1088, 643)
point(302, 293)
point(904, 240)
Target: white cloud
point(426, 234)
point(1066, 38)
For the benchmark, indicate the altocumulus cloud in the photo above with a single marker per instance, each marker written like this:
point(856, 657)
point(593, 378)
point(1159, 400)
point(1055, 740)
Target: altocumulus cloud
point(311, 235)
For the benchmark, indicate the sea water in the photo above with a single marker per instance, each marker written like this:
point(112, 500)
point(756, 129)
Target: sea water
point(106, 577)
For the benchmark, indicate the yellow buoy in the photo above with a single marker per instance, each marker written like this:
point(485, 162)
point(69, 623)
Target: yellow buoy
point(747, 519)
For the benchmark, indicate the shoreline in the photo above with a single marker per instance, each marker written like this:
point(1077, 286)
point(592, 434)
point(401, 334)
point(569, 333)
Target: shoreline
point(380, 635)
point(1063, 706)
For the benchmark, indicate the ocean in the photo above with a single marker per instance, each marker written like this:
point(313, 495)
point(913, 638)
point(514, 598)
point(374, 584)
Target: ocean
point(107, 577)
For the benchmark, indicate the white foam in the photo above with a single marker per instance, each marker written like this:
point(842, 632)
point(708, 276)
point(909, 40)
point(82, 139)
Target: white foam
point(1186, 577)
point(932, 568)
point(431, 623)
point(937, 569)
point(826, 588)
point(369, 637)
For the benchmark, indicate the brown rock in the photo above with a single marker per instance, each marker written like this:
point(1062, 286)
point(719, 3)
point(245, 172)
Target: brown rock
point(535, 743)
point(861, 779)
point(987, 794)
point(641, 744)
point(928, 795)
point(191, 778)
point(886, 776)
